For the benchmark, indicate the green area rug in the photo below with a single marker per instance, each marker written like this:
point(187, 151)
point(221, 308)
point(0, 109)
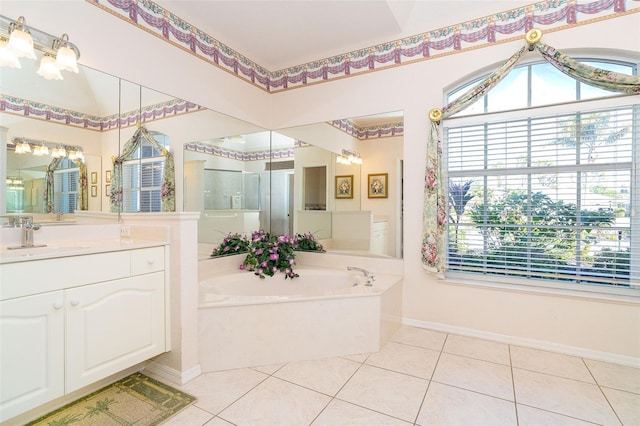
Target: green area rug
point(135, 400)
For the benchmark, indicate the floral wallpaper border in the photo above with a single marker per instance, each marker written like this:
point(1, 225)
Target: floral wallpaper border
point(369, 132)
point(40, 111)
point(274, 154)
point(549, 15)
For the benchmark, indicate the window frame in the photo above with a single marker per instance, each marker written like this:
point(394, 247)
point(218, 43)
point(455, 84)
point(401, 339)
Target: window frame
point(616, 100)
point(145, 153)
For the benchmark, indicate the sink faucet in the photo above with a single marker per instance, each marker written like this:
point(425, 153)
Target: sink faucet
point(370, 278)
point(27, 230)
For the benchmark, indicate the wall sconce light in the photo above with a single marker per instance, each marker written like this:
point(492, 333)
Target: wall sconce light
point(348, 157)
point(42, 148)
point(18, 41)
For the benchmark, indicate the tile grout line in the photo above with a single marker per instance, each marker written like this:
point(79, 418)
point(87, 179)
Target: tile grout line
point(513, 385)
point(341, 387)
point(601, 391)
point(424, 397)
point(246, 393)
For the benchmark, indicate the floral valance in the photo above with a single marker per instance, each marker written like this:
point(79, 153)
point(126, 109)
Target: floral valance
point(168, 193)
point(434, 212)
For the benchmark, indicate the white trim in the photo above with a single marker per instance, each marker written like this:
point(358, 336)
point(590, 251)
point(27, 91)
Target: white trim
point(525, 342)
point(172, 375)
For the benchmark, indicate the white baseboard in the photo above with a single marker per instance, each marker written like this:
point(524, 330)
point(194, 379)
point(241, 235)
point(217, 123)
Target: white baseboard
point(525, 342)
point(172, 375)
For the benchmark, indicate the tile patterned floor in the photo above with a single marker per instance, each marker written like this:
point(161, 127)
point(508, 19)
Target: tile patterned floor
point(421, 377)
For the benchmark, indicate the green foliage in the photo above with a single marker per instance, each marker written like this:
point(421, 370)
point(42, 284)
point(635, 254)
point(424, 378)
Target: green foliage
point(306, 242)
point(232, 244)
point(545, 230)
point(614, 261)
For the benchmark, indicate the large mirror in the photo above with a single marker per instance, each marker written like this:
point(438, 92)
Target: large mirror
point(297, 180)
point(239, 176)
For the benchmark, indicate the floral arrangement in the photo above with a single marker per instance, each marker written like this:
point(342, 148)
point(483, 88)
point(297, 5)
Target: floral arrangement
point(267, 253)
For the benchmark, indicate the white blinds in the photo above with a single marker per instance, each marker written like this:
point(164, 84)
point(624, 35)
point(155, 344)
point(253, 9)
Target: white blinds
point(545, 197)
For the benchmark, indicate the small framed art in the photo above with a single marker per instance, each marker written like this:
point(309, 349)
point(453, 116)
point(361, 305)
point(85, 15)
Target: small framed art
point(94, 178)
point(94, 190)
point(344, 186)
point(378, 185)
point(107, 176)
point(107, 190)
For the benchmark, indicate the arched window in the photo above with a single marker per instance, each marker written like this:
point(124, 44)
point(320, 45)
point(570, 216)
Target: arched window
point(142, 176)
point(541, 180)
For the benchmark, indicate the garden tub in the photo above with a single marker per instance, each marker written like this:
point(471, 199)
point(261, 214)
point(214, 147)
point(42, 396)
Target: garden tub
point(246, 321)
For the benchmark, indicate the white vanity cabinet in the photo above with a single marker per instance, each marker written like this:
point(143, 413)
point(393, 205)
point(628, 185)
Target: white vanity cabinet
point(97, 314)
point(31, 352)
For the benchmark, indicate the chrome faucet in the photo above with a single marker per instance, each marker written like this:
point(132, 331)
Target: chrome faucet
point(27, 226)
point(369, 277)
point(27, 230)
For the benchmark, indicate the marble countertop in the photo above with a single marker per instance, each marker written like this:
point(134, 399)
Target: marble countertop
point(73, 248)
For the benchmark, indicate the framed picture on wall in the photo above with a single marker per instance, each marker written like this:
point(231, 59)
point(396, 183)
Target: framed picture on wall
point(94, 190)
point(378, 185)
point(107, 176)
point(344, 186)
point(94, 178)
point(107, 190)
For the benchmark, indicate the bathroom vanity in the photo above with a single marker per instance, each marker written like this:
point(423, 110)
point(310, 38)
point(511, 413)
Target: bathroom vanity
point(75, 313)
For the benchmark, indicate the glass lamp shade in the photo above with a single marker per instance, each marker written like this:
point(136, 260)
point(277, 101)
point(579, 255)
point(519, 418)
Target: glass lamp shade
point(41, 150)
point(48, 69)
point(7, 57)
point(21, 43)
point(66, 59)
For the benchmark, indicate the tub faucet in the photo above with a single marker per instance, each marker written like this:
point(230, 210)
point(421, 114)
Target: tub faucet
point(369, 277)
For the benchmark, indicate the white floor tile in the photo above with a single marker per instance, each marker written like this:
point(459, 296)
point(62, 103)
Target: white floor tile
point(405, 359)
point(357, 358)
point(570, 367)
point(323, 375)
point(276, 402)
point(419, 337)
point(529, 416)
point(625, 404)
point(217, 390)
point(268, 369)
point(388, 392)
point(216, 421)
point(345, 414)
point(447, 405)
point(475, 375)
point(484, 350)
point(190, 416)
point(564, 396)
point(615, 376)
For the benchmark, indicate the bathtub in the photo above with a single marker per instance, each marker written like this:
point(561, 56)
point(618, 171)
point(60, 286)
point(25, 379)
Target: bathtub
point(244, 321)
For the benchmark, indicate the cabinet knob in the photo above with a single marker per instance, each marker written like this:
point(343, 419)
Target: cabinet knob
point(75, 302)
point(57, 305)
point(151, 261)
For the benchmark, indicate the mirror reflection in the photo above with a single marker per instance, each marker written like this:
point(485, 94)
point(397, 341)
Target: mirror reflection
point(312, 178)
point(315, 178)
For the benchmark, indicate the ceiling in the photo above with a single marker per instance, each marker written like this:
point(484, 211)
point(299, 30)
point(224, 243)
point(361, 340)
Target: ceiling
point(278, 34)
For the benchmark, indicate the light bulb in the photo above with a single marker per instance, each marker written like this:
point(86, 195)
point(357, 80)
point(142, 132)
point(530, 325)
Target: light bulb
point(48, 69)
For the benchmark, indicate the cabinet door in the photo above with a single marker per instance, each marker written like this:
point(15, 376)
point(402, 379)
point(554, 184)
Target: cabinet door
point(112, 326)
point(31, 352)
